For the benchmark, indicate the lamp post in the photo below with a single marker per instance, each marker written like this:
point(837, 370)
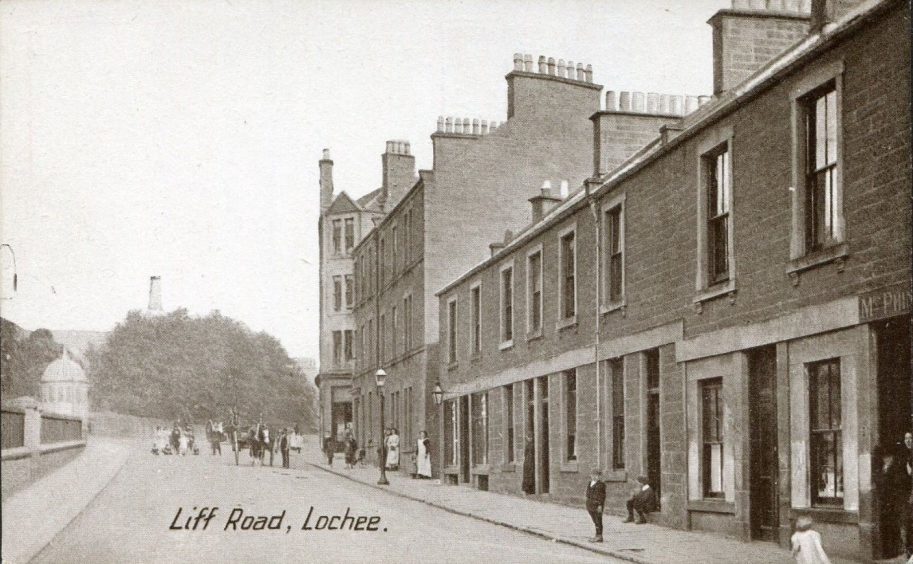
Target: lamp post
point(379, 378)
point(438, 396)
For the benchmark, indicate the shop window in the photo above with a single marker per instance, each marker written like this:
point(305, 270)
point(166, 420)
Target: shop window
point(509, 423)
point(479, 420)
point(616, 368)
point(570, 415)
point(712, 437)
point(826, 437)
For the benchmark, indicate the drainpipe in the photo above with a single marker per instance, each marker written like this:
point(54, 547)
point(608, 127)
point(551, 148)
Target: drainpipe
point(598, 324)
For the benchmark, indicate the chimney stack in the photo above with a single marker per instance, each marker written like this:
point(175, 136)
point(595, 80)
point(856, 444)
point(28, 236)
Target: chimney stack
point(326, 181)
point(398, 170)
point(751, 34)
point(543, 202)
point(828, 11)
point(155, 293)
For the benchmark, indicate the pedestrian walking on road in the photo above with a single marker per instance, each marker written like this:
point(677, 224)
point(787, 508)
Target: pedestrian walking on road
point(329, 446)
point(351, 450)
point(806, 543)
point(595, 501)
point(423, 455)
point(284, 447)
point(529, 467)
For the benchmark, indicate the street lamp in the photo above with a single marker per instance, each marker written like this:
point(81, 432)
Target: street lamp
point(379, 378)
point(438, 395)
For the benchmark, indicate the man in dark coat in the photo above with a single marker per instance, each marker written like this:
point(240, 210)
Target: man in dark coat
point(284, 447)
point(642, 502)
point(595, 501)
point(529, 467)
point(892, 485)
point(329, 447)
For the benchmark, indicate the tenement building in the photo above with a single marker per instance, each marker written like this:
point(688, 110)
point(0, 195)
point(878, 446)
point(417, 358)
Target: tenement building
point(343, 222)
point(444, 223)
point(726, 312)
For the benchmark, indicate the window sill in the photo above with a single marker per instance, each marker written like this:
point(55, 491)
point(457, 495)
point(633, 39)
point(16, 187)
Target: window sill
point(480, 470)
point(533, 335)
point(613, 306)
point(712, 506)
point(713, 292)
point(567, 322)
point(619, 475)
point(825, 514)
point(835, 253)
point(570, 466)
point(508, 467)
point(453, 366)
point(506, 345)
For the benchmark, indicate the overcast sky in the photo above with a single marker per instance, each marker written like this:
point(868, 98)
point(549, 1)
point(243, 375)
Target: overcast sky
point(181, 138)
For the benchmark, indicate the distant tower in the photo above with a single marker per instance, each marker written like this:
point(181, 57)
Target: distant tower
point(155, 296)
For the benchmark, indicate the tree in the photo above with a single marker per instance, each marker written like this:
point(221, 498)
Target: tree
point(197, 368)
point(23, 358)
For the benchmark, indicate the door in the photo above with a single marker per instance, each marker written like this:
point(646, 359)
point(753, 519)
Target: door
point(544, 459)
point(893, 348)
point(654, 438)
point(464, 439)
point(763, 456)
point(530, 437)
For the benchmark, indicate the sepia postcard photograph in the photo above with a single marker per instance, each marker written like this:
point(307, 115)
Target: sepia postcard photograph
point(423, 281)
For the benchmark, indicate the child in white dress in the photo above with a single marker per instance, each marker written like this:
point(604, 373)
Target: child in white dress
point(806, 544)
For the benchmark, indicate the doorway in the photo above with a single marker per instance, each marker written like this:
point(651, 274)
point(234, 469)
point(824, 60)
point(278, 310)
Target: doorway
point(892, 339)
point(544, 477)
point(763, 455)
point(464, 439)
point(654, 437)
point(530, 436)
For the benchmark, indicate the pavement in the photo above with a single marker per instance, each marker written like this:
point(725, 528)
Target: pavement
point(35, 514)
point(643, 544)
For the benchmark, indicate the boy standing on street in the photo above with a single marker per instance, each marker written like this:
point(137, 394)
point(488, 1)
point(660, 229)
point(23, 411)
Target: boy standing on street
point(595, 501)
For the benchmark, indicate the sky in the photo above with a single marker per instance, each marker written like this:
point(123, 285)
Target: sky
point(181, 138)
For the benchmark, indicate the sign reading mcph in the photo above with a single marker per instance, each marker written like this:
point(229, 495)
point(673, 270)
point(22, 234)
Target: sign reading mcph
point(884, 303)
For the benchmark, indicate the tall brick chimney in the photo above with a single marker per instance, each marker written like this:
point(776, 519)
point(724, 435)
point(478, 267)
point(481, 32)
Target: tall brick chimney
point(631, 120)
point(398, 171)
point(751, 34)
point(535, 89)
point(326, 180)
point(155, 293)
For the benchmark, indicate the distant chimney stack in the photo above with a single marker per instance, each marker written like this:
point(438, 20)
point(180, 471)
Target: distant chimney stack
point(543, 202)
point(155, 293)
point(398, 172)
point(326, 181)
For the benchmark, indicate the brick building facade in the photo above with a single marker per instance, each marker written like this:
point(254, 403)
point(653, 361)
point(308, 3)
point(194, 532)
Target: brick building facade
point(726, 312)
point(444, 224)
point(343, 223)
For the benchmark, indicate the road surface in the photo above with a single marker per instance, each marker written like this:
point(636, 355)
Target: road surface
point(135, 519)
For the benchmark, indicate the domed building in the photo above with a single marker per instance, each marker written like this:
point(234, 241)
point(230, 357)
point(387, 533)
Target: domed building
point(64, 388)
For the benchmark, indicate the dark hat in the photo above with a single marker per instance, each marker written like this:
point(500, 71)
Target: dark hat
point(643, 480)
point(595, 471)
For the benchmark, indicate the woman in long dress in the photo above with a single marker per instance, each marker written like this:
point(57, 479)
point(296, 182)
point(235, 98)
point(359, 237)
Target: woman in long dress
point(529, 467)
point(423, 456)
point(393, 450)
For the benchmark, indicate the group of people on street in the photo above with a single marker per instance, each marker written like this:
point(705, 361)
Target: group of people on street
point(179, 440)
point(388, 452)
